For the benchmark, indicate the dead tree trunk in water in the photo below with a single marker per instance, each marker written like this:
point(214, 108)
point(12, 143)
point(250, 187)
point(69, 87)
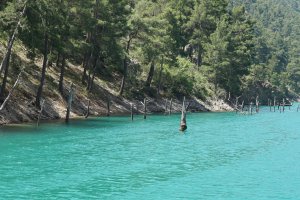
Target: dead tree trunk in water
point(283, 105)
point(42, 81)
point(145, 108)
point(11, 91)
point(131, 111)
point(183, 125)
point(70, 100)
point(257, 104)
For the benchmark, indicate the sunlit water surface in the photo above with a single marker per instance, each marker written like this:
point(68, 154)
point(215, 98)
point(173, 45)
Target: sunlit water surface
point(221, 156)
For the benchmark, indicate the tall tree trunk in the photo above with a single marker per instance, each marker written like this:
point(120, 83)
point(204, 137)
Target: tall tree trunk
point(4, 81)
point(84, 65)
point(150, 75)
point(11, 41)
point(124, 76)
point(125, 65)
point(92, 80)
point(160, 75)
point(43, 75)
point(92, 73)
point(62, 74)
point(199, 59)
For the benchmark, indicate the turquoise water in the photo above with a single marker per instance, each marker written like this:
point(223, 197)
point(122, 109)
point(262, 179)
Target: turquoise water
point(221, 156)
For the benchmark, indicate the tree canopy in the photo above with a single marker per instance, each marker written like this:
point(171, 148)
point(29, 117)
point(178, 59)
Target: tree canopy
point(171, 48)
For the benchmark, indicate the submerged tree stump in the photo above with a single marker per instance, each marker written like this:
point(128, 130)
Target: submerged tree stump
point(250, 108)
point(257, 104)
point(183, 125)
point(145, 108)
point(131, 111)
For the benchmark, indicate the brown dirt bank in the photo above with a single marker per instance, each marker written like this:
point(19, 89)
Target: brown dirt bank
point(21, 109)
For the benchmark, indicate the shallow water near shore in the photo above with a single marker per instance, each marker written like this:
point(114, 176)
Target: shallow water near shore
point(220, 156)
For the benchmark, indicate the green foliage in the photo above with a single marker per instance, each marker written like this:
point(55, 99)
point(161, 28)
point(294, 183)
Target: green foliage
point(187, 47)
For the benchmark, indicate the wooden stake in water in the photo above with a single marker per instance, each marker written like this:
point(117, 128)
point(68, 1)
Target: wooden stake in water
point(257, 104)
point(70, 100)
point(145, 108)
point(251, 109)
point(131, 111)
point(183, 125)
point(283, 105)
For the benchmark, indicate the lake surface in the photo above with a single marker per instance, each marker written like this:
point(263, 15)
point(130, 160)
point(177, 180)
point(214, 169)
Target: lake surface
point(221, 156)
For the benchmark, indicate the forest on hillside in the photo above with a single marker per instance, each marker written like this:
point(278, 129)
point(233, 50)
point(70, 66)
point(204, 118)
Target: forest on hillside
point(201, 48)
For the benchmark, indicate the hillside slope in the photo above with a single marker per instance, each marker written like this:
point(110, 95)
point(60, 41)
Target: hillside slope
point(20, 107)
